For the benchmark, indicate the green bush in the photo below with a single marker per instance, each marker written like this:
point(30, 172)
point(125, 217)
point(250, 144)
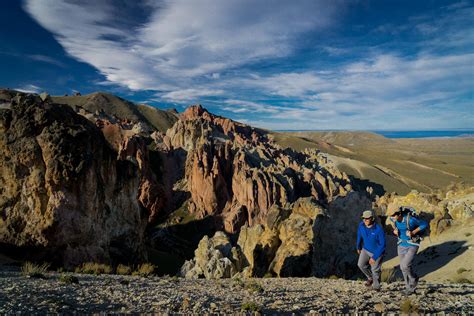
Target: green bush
point(250, 307)
point(68, 279)
point(123, 270)
point(144, 270)
point(408, 307)
point(94, 268)
point(333, 277)
point(32, 270)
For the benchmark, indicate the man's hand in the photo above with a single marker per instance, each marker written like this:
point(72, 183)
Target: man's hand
point(395, 232)
point(410, 233)
point(371, 261)
point(358, 251)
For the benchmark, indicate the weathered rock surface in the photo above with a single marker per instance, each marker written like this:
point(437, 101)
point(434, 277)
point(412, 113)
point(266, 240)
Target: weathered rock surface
point(303, 240)
point(454, 206)
point(235, 172)
point(64, 189)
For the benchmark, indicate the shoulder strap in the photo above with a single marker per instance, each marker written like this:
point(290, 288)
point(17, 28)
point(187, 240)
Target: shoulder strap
point(408, 221)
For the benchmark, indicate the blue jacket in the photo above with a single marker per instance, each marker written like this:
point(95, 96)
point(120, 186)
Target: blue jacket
point(371, 239)
point(403, 239)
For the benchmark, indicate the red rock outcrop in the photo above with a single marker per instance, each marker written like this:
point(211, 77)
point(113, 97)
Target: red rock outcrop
point(235, 172)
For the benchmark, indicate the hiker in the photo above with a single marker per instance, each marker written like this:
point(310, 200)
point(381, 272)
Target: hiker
point(371, 248)
point(407, 228)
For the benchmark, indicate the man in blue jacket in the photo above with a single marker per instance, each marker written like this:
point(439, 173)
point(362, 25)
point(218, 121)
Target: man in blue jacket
point(407, 228)
point(370, 247)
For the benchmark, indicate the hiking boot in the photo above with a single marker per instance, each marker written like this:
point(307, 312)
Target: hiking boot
point(417, 278)
point(408, 292)
point(369, 282)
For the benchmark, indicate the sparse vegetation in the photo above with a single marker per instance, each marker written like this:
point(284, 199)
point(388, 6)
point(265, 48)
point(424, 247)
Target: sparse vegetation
point(461, 270)
point(388, 275)
point(408, 307)
point(333, 277)
point(250, 307)
point(94, 268)
point(467, 234)
point(32, 270)
point(68, 279)
point(254, 287)
point(123, 269)
point(144, 270)
point(268, 275)
point(462, 280)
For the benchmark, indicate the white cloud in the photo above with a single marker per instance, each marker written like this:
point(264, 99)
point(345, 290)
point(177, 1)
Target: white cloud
point(181, 39)
point(29, 88)
point(190, 95)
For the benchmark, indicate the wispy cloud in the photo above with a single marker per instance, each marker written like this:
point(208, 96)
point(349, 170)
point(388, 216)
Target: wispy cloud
point(189, 95)
point(29, 88)
point(241, 56)
point(181, 40)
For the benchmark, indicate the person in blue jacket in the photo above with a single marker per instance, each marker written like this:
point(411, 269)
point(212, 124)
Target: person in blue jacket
point(407, 228)
point(371, 248)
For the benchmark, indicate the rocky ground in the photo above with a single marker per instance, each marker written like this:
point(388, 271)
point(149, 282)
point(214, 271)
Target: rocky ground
point(128, 294)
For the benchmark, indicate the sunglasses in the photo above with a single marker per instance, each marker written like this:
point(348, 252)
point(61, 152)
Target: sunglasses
point(369, 218)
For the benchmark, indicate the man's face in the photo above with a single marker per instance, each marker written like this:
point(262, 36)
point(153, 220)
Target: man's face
point(369, 221)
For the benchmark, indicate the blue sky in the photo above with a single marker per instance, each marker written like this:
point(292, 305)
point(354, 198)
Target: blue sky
point(368, 65)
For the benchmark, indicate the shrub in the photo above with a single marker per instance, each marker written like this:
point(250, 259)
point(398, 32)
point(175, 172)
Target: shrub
point(461, 270)
point(250, 307)
point(467, 234)
point(333, 277)
point(268, 275)
point(408, 307)
point(144, 270)
point(94, 268)
point(462, 280)
point(388, 275)
point(254, 287)
point(33, 270)
point(68, 279)
point(123, 269)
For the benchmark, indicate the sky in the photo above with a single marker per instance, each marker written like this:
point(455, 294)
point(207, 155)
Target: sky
point(281, 65)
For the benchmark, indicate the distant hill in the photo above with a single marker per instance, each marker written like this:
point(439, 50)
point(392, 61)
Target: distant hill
point(399, 165)
point(113, 105)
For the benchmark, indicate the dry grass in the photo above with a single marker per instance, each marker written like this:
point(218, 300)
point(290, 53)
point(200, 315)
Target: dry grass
point(144, 270)
point(123, 270)
point(408, 307)
point(32, 270)
point(94, 268)
point(388, 275)
point(68, 279)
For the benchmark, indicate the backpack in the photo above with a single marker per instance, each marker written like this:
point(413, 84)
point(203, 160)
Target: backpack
point(411, 212)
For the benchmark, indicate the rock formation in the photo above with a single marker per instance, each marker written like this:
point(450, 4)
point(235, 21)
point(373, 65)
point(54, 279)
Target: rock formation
point(66, 190)
point(454, 206)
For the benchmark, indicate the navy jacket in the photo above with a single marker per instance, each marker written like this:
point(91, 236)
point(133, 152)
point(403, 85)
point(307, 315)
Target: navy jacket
point(371, 239)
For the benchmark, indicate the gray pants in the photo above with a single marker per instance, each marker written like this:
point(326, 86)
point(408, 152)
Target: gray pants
point(406, 255)
point(374, 271)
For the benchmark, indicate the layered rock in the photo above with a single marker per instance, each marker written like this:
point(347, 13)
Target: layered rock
point(64, 191)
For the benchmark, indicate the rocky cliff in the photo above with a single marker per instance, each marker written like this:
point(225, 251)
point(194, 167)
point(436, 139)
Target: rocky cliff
point(93, 186)
point(72, 189)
